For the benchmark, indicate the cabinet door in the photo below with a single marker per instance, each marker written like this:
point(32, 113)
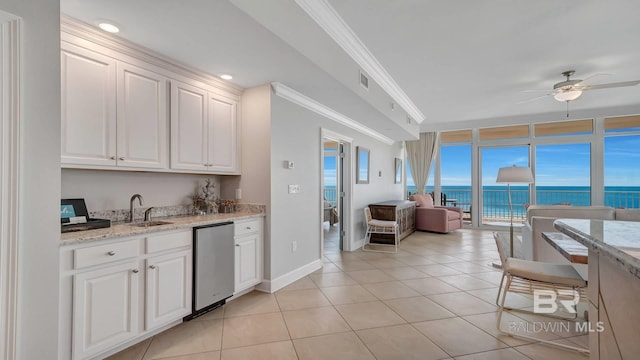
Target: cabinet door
point(168, 288)
point(248, 261)
point(188, 127)
point(88, 97)
point(142, 118)
point(223, 135)
point(105, 308)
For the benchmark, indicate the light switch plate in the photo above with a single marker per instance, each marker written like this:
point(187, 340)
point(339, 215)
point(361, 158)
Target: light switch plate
point(294, 189)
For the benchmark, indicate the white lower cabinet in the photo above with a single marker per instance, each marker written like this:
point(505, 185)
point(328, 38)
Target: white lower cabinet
point(122, 290)
point(168, 288)
point(105, 308)
point(248, 254)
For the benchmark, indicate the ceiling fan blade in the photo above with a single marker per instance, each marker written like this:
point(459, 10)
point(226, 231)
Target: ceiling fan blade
point(584, 82)
point(535, 90)
point(611, 85)
point(535, 98)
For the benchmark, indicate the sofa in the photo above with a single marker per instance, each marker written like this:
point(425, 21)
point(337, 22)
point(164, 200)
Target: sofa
point(540, 219)
point(430, 217)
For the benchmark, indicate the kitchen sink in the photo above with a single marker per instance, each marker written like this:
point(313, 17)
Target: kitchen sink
point(152, 223)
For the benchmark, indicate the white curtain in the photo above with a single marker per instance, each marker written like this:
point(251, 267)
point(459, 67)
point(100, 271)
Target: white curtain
point(421, 153)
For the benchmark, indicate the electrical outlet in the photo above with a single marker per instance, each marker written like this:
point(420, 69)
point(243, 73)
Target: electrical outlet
point(294, 246)
point(294, 189)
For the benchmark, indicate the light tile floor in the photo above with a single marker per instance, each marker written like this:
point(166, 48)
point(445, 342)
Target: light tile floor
point(431, 300)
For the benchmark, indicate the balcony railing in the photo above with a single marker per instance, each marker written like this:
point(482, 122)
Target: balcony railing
point(330, 194)
point(496, 204)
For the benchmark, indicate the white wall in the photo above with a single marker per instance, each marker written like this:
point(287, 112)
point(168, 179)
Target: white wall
point(380, 188)
point(255, 181)
point(108, 190)
point(39, 231)
point(296, 136)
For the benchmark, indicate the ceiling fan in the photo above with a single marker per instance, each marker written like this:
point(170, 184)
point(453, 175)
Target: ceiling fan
point(571, 89)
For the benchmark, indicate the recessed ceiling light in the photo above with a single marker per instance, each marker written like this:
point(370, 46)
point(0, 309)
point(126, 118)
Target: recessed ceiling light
point(109, 27)
point(226, 77)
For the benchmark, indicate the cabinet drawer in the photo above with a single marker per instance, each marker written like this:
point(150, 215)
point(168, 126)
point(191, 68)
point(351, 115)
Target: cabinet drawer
point(101, 254)
point(247, 227)
point(168, 241)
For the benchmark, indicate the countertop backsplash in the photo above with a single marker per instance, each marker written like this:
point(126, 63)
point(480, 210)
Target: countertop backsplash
point(121, 215)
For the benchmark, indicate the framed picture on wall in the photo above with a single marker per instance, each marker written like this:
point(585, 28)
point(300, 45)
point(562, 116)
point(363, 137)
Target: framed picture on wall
point(362, 165)
point(398, 172)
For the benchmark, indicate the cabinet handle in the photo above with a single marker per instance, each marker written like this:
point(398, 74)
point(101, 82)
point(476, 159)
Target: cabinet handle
point(111, 253)
point(248, 228)
point(113, 158)
point(135, 271)
point(238, 245)
point(152, 266)
point(121, 158)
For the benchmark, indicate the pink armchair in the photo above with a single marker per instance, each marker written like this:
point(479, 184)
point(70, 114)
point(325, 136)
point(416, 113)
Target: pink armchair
point(440, 219)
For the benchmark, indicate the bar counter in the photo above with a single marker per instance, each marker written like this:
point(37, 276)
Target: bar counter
point(614, 284)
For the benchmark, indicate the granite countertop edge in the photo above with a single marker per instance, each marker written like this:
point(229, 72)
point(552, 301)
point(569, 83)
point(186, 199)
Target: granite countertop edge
point(629, 262)
point(118, 230)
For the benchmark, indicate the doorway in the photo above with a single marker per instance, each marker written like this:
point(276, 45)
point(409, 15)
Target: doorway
point(334, 192)
point(332, 207)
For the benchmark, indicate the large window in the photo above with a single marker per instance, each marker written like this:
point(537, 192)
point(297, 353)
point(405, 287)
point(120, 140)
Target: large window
point(563, 174)
point(621, 159)
point(621, 171)
point(455, 175)
point(495, 203)
point(566, 171)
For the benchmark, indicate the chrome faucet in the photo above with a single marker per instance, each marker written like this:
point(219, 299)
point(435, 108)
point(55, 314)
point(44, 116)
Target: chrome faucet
point(133, 198)
point(147, 214)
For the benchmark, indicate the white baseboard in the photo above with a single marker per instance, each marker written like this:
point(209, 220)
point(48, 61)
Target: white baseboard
point(274, 285)
point(358, 244)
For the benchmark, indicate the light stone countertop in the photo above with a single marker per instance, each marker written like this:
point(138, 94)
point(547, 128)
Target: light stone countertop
point(177, 222)
point(617, 240)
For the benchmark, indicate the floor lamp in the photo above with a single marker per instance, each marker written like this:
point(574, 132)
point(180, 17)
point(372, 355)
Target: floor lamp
point(513, 175)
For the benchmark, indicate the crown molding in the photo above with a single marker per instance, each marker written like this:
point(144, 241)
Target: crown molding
point(92, 34)
point(330, 21)
point(295, 97)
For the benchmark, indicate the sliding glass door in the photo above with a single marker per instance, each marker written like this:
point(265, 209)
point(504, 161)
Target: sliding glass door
point(493, 197)
point(455, 177)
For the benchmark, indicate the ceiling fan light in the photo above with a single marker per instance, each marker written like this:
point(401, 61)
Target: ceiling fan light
point(567, 95)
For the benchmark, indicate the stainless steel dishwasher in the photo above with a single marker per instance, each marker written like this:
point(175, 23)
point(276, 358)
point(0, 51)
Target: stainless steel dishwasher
point(213, 267)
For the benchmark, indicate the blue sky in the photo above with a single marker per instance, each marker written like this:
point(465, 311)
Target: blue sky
point(329, 171)
point(556, 165)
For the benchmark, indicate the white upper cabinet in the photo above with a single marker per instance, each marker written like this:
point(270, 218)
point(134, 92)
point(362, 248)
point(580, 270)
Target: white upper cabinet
point(126, 108)
point(113, 113)
point(142, 118)
point(204, 131)
point(188, 127)
point(88, 107)
point(223, 135)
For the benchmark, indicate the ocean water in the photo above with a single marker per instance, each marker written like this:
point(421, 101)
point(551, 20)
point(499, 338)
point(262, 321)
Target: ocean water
point(496, 202)
point(495, 198)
